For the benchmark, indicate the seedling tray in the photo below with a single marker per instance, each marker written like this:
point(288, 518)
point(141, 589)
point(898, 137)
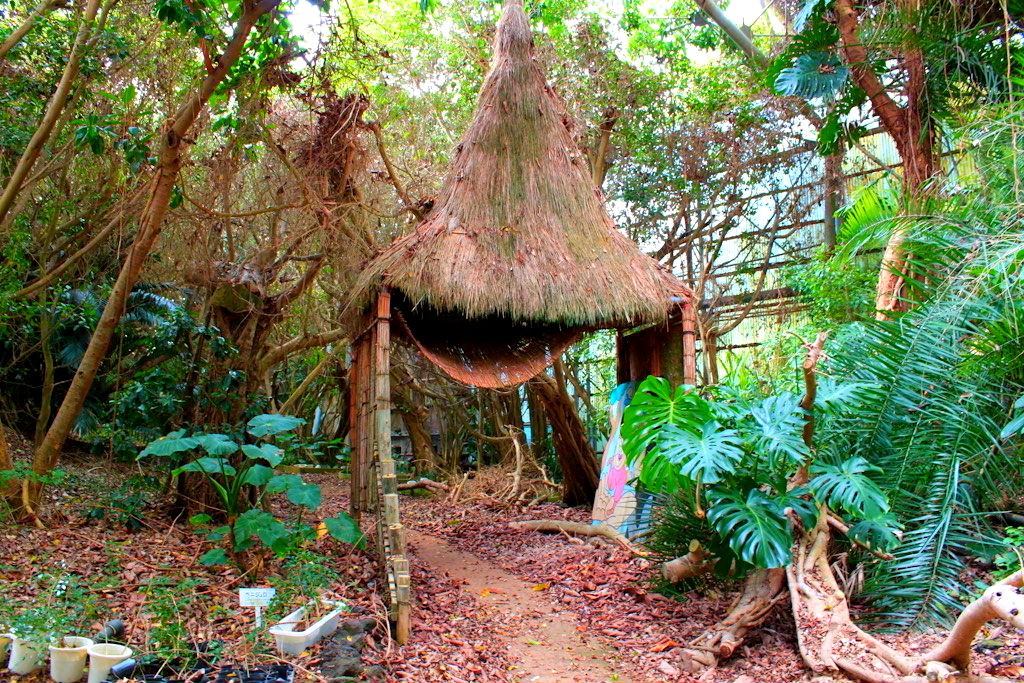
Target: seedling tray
point(271, 673)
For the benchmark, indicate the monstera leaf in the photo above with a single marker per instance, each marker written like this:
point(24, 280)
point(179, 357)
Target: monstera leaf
point(704, 456)
point(655, 406)
point(780, 422)
point(812, 76)
point(754, 525)
point(847, 486)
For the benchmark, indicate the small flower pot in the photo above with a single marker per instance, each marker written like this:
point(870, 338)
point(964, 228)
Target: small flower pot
point(102, 657)
point(26, 657)
point(67, 663)
point(293, 642)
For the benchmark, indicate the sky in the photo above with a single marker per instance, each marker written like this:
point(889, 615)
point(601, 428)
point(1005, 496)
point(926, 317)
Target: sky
point(308, 20)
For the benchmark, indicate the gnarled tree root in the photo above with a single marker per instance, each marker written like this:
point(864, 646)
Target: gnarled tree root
point(762, 591)
point(830, 642)
point(827, 636)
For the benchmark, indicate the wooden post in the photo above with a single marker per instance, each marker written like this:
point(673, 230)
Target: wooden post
point(689, 343)
point(389, 526)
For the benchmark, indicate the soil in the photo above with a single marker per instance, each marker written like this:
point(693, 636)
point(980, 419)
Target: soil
point(546, 642)
point(492, 604)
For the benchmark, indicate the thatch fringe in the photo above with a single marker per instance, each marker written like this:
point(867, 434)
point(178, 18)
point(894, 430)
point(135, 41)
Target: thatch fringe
point(519, 230)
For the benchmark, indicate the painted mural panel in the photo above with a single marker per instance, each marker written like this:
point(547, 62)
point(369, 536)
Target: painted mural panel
point(620, 502)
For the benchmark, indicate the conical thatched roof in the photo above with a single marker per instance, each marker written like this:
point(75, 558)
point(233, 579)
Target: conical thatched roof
point(519, 230)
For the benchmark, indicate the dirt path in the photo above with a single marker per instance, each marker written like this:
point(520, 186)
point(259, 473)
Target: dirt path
point(545, 639)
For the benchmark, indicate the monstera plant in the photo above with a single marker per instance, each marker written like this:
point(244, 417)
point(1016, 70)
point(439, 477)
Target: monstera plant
point(747, 471)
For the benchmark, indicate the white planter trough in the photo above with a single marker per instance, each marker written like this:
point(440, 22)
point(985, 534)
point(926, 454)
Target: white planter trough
point(102, 657)
point(67, 662)
point(292, 642)
point(26, 656)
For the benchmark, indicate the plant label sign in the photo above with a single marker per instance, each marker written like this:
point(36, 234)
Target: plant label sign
point(258, 598)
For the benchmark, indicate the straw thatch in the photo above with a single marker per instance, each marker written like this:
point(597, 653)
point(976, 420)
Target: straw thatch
point(519, 230)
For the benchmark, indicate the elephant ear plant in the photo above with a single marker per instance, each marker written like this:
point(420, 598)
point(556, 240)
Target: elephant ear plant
point(241, 472)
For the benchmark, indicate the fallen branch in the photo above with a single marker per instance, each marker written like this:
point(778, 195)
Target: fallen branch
point(696, 562)
point(424, 483)
point(578, 529)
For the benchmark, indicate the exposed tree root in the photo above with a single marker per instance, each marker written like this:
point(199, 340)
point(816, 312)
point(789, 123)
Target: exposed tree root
point(1002, 600)
point(578, 529)
point(762, 590)
point(829, 641)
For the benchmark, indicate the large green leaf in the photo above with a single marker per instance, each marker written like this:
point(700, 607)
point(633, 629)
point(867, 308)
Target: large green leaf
point(705, 456)
point(217, 444)
point(280, 483)
point(345, 529)
point(780, 421)
point(654, 406)
point(812, 76)
point(171, 444)
point(306, 495)
point(265, 451)
point(298, 491)
point(754, 525)
point(208, 466)
point(272, 423)
point(264, 526)
point(213, 557)
point(258, 475)
point(847, 486)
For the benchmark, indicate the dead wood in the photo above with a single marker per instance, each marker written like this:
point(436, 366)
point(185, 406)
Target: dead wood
point(424, 483)
point(577, 529)
point(696, 562)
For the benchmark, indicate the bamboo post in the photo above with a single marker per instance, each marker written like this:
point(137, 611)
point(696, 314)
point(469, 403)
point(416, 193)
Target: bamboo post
point(389, 525)
point(689, 344)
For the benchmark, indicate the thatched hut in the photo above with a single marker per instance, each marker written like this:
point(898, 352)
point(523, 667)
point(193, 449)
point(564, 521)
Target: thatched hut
point(516, 259)
point(518, 245)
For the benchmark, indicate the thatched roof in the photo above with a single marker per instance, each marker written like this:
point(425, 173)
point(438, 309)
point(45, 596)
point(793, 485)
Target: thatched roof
point(519, 230)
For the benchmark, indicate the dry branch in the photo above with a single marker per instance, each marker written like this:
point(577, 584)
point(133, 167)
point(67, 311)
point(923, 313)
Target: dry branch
point(425, 483)
point(577, 529)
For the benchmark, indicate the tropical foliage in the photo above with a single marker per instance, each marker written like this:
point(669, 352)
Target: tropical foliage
point(241, 483)
point(734, 455)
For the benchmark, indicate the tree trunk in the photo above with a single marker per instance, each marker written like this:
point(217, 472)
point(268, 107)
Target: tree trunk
point(910, 129)
point(538, 424)
point(9, 489)
point(580, 470)
point(54, 109)
point(46, 399)
point(17, 34)
point(47, 454)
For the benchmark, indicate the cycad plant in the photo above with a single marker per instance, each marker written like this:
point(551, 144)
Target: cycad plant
point(941, 382)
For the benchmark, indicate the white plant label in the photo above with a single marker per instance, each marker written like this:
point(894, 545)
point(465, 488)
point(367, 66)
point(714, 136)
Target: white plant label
point(258, 598)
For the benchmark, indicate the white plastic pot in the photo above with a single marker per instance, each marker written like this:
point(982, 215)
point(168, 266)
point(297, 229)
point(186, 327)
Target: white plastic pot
point(292, 642)
point(102, 657)
point(67, 663)
point(26, 656)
